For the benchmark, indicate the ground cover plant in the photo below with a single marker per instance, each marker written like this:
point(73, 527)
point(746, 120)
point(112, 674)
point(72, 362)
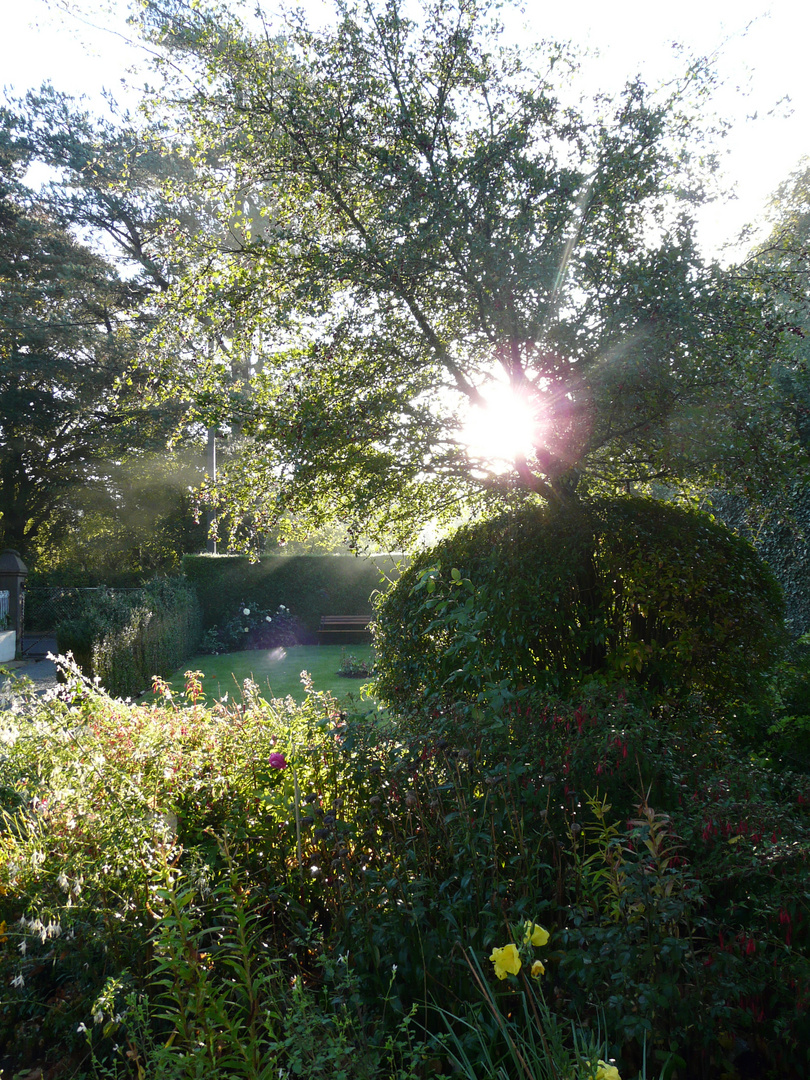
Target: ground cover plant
point(258, 885)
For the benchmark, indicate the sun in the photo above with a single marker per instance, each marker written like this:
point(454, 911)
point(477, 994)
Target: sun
point(502, 430)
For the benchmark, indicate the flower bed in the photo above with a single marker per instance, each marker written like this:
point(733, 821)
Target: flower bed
point(268, 886)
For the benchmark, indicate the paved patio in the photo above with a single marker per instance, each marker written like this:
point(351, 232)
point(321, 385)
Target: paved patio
point(35, 665)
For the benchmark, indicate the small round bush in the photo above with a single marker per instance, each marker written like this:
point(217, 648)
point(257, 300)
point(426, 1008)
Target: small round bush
point(553, 598)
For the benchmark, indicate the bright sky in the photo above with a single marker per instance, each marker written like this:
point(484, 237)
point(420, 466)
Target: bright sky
point(761, 60)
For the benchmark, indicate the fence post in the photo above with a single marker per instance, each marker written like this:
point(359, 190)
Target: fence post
point(13, 573)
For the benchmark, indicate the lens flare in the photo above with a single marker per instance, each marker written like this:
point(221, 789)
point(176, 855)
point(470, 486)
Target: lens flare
point(505, 428)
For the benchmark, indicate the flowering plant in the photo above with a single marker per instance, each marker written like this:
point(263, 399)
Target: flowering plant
point(530, 1037)
point(605, 1071)
point(253, 626)
point(509, 959)
point(506, 960)
point(353, 668)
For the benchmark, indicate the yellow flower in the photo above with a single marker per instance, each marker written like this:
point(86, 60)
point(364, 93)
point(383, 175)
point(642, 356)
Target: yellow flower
point(606, 1072)
point(535, 935)
point(506, 961)
point(3, 935)
point(537, 970)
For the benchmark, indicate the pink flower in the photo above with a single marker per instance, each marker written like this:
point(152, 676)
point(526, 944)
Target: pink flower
point(277, 761)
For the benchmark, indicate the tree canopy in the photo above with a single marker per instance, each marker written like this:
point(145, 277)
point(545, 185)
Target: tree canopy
point(70, 320)
point(780, 265)
point(779, 523)
point(410, 214)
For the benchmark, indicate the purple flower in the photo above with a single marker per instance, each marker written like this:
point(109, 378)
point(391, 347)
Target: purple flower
point(277, 761)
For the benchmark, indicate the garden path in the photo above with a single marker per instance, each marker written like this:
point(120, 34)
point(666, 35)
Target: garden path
point(39, 669)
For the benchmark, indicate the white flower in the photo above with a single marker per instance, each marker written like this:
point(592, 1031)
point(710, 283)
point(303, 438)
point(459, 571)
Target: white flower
point(98, 1017)
point(82, 1027)
point(19, 981)
point(62, 881)
point(268, 618)
point(246, 611)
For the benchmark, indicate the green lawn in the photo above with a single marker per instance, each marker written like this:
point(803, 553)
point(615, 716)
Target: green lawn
point(277, 672)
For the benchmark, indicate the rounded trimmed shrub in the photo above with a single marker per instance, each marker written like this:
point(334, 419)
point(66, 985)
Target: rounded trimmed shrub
point(554, 597)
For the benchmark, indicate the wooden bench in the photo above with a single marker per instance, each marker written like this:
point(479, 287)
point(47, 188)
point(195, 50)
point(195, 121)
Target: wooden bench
point(341, 625)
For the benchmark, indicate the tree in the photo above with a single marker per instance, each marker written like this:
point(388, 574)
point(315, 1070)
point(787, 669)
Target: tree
point(70, 323)
point(137, 523)
point(413, 214)
point(58, 351)
point(109, 186)
point(779, 523)
point(779, 267)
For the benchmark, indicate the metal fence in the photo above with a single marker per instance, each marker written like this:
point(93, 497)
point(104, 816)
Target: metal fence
point(3, 608)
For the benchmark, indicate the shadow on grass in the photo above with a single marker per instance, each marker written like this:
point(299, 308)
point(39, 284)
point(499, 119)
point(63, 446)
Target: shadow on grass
point(277, 672)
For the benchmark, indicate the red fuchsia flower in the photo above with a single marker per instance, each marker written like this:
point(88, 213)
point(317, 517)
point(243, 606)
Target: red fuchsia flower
point(785, 920)
point(277, 761)
point(749, 946)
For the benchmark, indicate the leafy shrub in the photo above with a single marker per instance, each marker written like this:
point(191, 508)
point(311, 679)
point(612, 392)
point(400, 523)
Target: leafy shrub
point(254, 627)
point(778, 530)
point(553, 598)
point(97, 613)
point(169, 874)
point(157, 891)
point(125, 638)
point(686, 868)
point(630, 832)
point(787, 742)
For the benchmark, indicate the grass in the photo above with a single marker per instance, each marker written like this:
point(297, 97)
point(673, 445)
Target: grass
point(277, 671)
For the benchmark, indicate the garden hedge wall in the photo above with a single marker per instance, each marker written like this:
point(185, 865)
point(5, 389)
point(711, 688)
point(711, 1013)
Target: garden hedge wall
point(126, 638)
point(309, 585)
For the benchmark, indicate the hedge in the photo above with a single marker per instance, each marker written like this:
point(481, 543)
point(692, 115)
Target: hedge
point(623, 588)
point(124, 639)
point(309, 585)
